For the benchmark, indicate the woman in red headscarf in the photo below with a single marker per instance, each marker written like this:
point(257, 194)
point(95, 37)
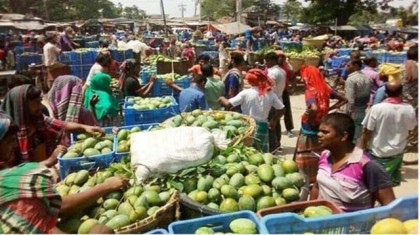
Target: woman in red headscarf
point(257, 102)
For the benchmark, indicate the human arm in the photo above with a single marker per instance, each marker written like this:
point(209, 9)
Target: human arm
point(379, 96)
point(314, 192)
point(52, 160)
point(366, 136)
point(74, 203)
point(93, 101)
point(378, 182)
point(80, 128)
point(172, 84)
point(368, 123)
point(342, 100)
point(225, 102)
point(145, 90)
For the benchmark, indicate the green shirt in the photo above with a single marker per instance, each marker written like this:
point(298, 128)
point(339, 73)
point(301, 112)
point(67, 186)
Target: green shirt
point(213, 90)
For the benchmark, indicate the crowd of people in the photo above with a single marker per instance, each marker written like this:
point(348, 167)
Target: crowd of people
point(361, 137)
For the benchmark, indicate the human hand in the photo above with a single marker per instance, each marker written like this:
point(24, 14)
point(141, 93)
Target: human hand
point(272, 125)
point(101, 229)
point(52, 160)
point(153, 78)
point(169, 81)
point(116, 183)
point(115, 130)
point(94, 100)
point(95, 131)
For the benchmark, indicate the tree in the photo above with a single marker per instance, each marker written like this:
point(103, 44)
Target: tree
point(133, 13)
point(291, 9)
point(325, 11)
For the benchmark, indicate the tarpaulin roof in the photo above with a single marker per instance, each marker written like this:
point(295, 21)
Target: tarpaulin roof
point(29, 25)
point(349, 28)
point(232, 28)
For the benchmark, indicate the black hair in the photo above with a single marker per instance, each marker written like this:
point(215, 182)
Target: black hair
point(207, 70)
point(355, 54)
point(237, 58)
point(413, 53)
point(271, 56)
point(130, 64)
point(200, 78)
point(20, 79)
point(357, 62)
point(33, 93)
point(104, 59)
point(204, 57)
point(393, 92)
point(341, 123)
point(368, 60)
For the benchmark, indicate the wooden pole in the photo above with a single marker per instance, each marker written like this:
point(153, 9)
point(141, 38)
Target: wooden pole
point(164, 17)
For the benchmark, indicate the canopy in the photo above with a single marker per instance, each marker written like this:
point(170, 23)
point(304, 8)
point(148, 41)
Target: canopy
point(29, 25)
point(232, 28)
point(349, 28)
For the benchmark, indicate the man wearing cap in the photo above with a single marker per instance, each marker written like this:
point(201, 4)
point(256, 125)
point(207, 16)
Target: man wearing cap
point(66, 44)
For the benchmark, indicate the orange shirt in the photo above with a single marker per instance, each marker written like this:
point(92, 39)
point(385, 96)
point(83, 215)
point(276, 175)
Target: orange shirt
point(196, 69)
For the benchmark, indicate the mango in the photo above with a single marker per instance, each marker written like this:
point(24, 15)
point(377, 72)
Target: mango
point(243, 226)
point(86, 226)
point(118, 221)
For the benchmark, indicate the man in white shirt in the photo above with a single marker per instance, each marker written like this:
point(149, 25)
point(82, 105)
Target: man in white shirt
point(386, 128)
point(278, 75)
point(54, 68)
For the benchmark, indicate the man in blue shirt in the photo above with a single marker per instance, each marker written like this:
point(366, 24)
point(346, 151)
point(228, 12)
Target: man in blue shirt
point(192, 97)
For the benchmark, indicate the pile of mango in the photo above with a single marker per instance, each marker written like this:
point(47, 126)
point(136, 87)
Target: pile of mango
point(116, 209)
point(153, 59)
point(236, 226)
point(232, 123)
point(150, 103)
point(88, 145)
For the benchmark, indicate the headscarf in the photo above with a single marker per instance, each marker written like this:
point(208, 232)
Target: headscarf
point(315, 85)
point(27, 182)
point(107, 104)
point(14, 104)
point(66, 97)
point(257, 78)
point(4, 124)
point(392, 71)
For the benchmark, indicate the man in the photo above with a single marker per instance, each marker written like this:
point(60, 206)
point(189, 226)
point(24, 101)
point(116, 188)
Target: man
point(249, 33)
point(54, 68)
point(193, 97)
point(257, 102)
point(370, 72)
point(214, 88)
point(386, 128)
point(66, 44)
point(357, 91)
point(290, 77)
point(344, 73)
point(278, 75)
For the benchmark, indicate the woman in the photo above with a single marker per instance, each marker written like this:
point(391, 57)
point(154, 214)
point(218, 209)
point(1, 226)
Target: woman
point(107, 108)
point(317, 98)
point(38, 135)
point(130, 84)
point(347, 176)
point(66, 102)
point(257, 102)
point(29, 203)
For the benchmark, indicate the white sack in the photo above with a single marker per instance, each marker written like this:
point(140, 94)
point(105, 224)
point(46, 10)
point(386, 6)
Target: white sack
point(173, 149)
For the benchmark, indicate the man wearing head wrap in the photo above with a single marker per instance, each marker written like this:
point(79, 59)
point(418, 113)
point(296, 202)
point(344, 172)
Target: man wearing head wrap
point(386, 128)
point(257, 102)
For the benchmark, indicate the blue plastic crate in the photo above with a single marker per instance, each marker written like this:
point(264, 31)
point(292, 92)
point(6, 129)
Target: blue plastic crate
point(93, 44)
point(213, 54)
point(344, 51)
point(80, 71)
point(24, 60)
point(119, 156)
point(158, 231)
point(358, 222)
point(134, 117)
point(69, 165)
point(380, 56)
point(81, 57)
point(122, 55)
point(219, 223)
point(338, 62)
point(395, 58)
point(160, 88)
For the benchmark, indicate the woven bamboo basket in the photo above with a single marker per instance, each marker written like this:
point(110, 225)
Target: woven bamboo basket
point(161, 219)
point(312, 61)
point(296, 63)
point(317, 43)
point(246, 138)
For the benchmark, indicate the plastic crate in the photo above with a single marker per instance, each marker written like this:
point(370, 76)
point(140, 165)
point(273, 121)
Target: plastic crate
point(134, 117)
point(380, 56)
point(395, 58)
point(80, 71)
point(24, 60)
point(93, 44)
point(81, 57)
point(158, 231)
point(344, 51)
point(338, 62)
point(122, 55)
point(143, 127)
point(299, 207)
point(213, 54)
point(358, 222)
point(69, 165)
point(219, 223)
point(160, 88)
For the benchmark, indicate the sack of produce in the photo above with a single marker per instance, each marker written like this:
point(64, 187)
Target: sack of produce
point(173, 149)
